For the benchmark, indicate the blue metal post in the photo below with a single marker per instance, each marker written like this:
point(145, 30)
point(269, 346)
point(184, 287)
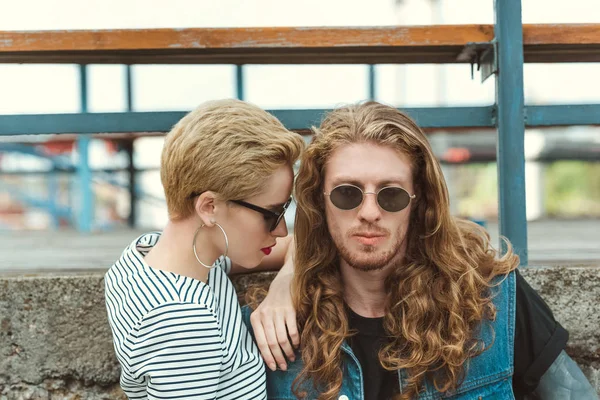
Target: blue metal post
point(84, 172)
point(52, 181)
point(129, 146)
point(239, 79)
point(372, 82)
point(511, 124)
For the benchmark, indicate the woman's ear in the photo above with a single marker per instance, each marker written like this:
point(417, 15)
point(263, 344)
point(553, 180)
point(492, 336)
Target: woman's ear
point(206, 207)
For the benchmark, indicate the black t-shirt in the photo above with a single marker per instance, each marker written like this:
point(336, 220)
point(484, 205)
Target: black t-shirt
point(539, 339)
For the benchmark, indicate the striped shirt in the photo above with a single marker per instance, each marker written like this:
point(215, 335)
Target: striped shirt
point(177, 337)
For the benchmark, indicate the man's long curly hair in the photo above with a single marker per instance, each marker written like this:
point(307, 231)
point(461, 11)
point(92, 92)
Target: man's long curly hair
point(438, 294)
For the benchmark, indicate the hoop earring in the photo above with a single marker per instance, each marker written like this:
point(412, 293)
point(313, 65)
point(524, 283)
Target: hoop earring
point(194, 245)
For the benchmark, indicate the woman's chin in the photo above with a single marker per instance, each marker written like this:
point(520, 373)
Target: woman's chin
point(250, 264)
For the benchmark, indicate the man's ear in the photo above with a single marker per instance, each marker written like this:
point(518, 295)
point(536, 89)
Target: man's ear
point(206, 206)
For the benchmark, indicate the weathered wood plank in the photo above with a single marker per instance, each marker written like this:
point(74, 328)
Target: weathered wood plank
point(414, 44)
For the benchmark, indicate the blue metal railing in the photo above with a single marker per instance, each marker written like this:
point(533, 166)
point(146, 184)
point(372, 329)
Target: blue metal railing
point(509, 115)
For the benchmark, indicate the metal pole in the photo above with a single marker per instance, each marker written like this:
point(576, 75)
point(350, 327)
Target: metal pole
point(510, 120)
point(129, 85)
point(84, 173)
point(53, 183)
point(239, 78)
point(372, 82)
point(129, 147)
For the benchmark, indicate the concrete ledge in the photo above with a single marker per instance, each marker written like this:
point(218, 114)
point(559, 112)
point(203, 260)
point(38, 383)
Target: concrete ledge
point(573, 294)
point(55, 341)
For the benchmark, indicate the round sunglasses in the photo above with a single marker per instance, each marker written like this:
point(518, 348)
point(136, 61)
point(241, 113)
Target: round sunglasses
point(389, 198)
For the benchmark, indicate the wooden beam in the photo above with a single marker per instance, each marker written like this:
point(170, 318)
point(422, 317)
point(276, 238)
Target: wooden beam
point(372, 45)
point(430, 44)
point(561, 43)
point(561, 34)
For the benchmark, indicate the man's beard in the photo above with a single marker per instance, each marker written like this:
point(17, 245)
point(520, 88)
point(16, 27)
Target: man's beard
point(370, 261)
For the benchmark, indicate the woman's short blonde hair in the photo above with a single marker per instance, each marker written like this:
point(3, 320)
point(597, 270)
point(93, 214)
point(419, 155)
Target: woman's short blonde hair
point(227, 146)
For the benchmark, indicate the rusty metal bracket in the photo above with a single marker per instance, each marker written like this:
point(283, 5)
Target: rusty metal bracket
point(482, 54)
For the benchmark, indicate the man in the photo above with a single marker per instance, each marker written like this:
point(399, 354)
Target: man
point(394, 297)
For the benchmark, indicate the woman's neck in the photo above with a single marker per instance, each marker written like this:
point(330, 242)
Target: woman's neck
point(174, 252)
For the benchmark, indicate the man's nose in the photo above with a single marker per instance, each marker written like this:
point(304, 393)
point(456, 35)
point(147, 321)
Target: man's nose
point(369, 209)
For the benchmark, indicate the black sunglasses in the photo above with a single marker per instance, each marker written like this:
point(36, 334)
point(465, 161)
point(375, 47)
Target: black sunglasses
point(390, 198)
point(271, 217)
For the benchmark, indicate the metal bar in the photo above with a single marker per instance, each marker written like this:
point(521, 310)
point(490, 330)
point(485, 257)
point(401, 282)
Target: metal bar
point(52, 181)
point(575, 114)
point(72, 170)
point(129, 87)
point(239, 81)
point(511, 125)
point(372, 82)
point(130, 148)
point(445, 117)
point(452, 117)
point(86, 198)
point(133, 122)
point(89, 123)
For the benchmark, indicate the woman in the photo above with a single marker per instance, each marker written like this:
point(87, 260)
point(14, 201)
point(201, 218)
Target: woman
point(226, 169)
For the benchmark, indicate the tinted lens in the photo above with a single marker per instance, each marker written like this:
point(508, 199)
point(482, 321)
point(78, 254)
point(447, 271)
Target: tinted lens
point(393, 199)
point(346, 197)
point(271, 222)
point(276, 220)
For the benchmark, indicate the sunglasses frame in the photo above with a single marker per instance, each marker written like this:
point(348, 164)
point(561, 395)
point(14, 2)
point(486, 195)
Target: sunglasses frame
point(410, 196)
point(268, 213)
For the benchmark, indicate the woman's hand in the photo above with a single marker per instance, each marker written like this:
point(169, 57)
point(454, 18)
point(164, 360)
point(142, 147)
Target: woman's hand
point(274, 321)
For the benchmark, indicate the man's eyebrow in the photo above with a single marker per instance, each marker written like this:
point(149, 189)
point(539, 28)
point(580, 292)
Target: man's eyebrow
point(395, 181)
point(340, 180)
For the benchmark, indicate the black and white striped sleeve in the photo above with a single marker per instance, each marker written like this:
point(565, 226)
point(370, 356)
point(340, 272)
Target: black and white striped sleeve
point(178, 350)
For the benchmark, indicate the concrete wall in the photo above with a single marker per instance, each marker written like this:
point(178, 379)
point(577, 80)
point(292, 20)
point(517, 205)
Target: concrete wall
point(55, 342)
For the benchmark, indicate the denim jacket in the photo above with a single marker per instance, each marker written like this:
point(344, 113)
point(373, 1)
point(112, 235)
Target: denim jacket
point(488, 376)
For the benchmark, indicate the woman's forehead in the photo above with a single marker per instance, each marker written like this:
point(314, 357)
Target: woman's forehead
point(277, 188)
